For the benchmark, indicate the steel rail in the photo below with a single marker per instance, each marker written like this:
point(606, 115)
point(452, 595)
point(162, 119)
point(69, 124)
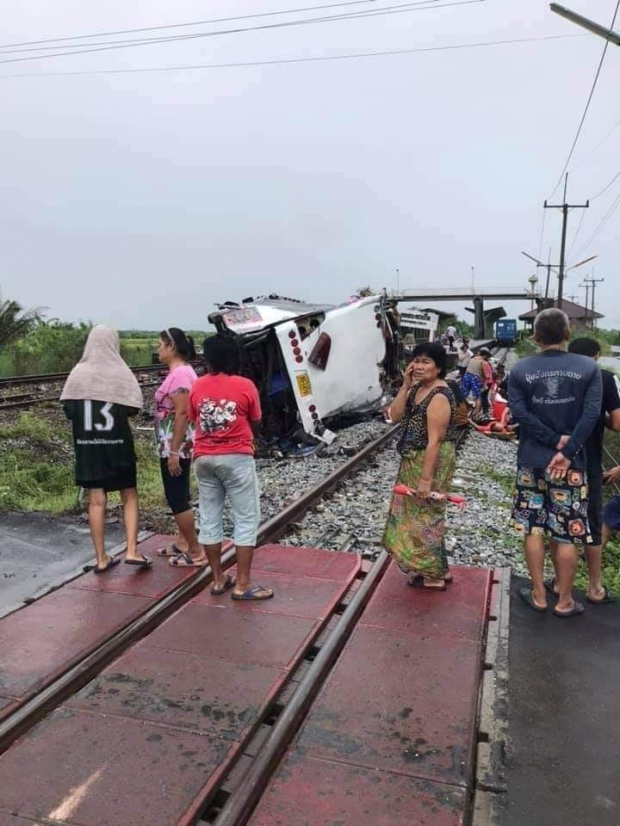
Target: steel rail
point(48, 378)
point(80, 673)
point(244, 798)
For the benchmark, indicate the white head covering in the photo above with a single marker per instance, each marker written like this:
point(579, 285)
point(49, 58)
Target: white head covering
point(101, 374)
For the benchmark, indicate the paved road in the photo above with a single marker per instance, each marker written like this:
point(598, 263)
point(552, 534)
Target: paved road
point(39, 551)
point(564, 694)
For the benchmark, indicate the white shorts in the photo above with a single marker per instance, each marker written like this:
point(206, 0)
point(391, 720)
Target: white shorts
point(232, 475)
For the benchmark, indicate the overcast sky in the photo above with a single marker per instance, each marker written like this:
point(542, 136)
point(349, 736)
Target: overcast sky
point(142, 199)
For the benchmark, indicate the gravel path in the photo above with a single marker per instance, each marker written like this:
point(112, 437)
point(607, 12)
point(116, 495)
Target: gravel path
point(358, 509)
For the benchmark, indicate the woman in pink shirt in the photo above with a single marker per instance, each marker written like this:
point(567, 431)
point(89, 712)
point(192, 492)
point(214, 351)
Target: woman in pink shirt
point(175, 442)
point(226, 409)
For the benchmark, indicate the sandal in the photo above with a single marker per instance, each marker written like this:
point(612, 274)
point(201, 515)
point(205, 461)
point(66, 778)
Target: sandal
point(145, 562)
point(112, 561)
point(419, 582)
point(169, 551)
point(607, 598)
point(185, 561)
point(528, 597)
point(230, 582)
point(256, 592)
point(575, 611)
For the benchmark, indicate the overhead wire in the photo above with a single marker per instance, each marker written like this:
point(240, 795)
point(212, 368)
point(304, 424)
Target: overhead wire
point(587, 107)
point(294, 60)
point(208, 21)
point(601, 225)
point(422, 5)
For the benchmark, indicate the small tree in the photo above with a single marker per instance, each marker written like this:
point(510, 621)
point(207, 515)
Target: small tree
point(15, 322)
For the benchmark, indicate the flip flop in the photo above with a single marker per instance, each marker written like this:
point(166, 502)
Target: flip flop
point(145, 562)
point(229, 583)
point(550, 586)
point(418, 582)
point(185, 561)
point(256, 592)
point(527, 597)
point(607, 599)
point(169, 551)
point(576, 611)
point(114, 560)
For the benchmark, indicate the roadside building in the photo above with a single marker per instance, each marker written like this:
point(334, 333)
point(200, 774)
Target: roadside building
point(581, 318)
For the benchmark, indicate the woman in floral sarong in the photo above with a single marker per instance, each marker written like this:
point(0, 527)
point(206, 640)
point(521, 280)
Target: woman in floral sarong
point(414, 533)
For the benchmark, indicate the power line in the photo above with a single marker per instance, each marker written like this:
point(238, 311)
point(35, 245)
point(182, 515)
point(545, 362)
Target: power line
point(285, 61)
point(601, 225)
point(598, 146)
point(605, 188)
point(399, 9)
point(186, 24)
point(589, 101)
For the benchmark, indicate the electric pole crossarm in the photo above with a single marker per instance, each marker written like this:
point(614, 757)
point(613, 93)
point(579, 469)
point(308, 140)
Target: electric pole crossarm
point(586, 23)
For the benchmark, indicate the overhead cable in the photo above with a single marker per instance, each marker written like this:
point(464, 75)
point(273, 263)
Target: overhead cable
point(389, 10)
point(587, 108)
point(288, 61)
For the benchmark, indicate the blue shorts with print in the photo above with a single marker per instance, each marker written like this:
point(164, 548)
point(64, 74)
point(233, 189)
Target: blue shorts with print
point(471, 383)
point(557, 508)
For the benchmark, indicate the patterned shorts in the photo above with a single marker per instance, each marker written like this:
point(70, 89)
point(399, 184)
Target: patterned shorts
point(471, 383)
point(556, 508)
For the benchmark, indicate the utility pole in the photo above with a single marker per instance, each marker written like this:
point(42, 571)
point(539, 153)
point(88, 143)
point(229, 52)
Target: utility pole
point(586, 286)
point(594, 281)
point(564, 207)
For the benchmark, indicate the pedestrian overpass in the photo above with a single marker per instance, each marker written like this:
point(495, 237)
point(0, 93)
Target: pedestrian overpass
point(477, 297)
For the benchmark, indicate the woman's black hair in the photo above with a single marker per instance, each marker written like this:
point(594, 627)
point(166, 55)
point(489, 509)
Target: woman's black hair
point(435, 352)
point(184, 344)
point(455, 386)
point(221, 355)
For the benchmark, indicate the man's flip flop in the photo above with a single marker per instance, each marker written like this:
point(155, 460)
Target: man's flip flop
point(185, 561)
point(145, 562)
point(527, 597)
point(114, 560)
point(229, 583)
point(256, 592)
point(169, 551)
point(607, 599)
point(418, 582)
point(575, 611)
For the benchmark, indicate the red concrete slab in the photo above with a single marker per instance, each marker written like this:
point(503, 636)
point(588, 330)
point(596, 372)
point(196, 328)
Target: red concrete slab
point(5, 701)
point(182, 690)
point(247, 638)
point(299, 596)
point(91, 770)
point(294, 561)
point(152, 582)
point(400, 702)
point(460, 612)
point(321, 793)
point(45, 637)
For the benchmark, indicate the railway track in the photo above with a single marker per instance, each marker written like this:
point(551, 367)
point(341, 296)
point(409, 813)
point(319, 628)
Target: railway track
point(30, 398)
point(53, 690)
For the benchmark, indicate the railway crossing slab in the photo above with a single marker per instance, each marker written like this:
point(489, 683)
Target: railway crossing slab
point(41, 640)
point(391, 738)
point(159, 726)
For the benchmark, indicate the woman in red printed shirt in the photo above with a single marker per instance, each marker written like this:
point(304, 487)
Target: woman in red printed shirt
point(226, 410)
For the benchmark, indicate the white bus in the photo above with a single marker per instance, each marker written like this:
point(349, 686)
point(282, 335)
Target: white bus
point(312, 363)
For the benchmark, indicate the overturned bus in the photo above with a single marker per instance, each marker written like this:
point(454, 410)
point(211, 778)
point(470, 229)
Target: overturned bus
point(313, 363)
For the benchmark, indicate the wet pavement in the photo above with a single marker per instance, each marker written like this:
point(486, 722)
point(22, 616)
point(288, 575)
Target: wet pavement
point(39, 552)
point(564, 758)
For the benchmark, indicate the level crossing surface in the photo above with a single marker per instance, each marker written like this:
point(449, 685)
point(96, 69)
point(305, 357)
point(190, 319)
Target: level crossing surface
point(390, 740)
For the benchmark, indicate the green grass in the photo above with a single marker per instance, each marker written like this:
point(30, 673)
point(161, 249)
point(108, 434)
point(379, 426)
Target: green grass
point(37, 467)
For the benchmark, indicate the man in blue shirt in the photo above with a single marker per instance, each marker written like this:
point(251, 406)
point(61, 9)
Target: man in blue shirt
point(555, 397)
